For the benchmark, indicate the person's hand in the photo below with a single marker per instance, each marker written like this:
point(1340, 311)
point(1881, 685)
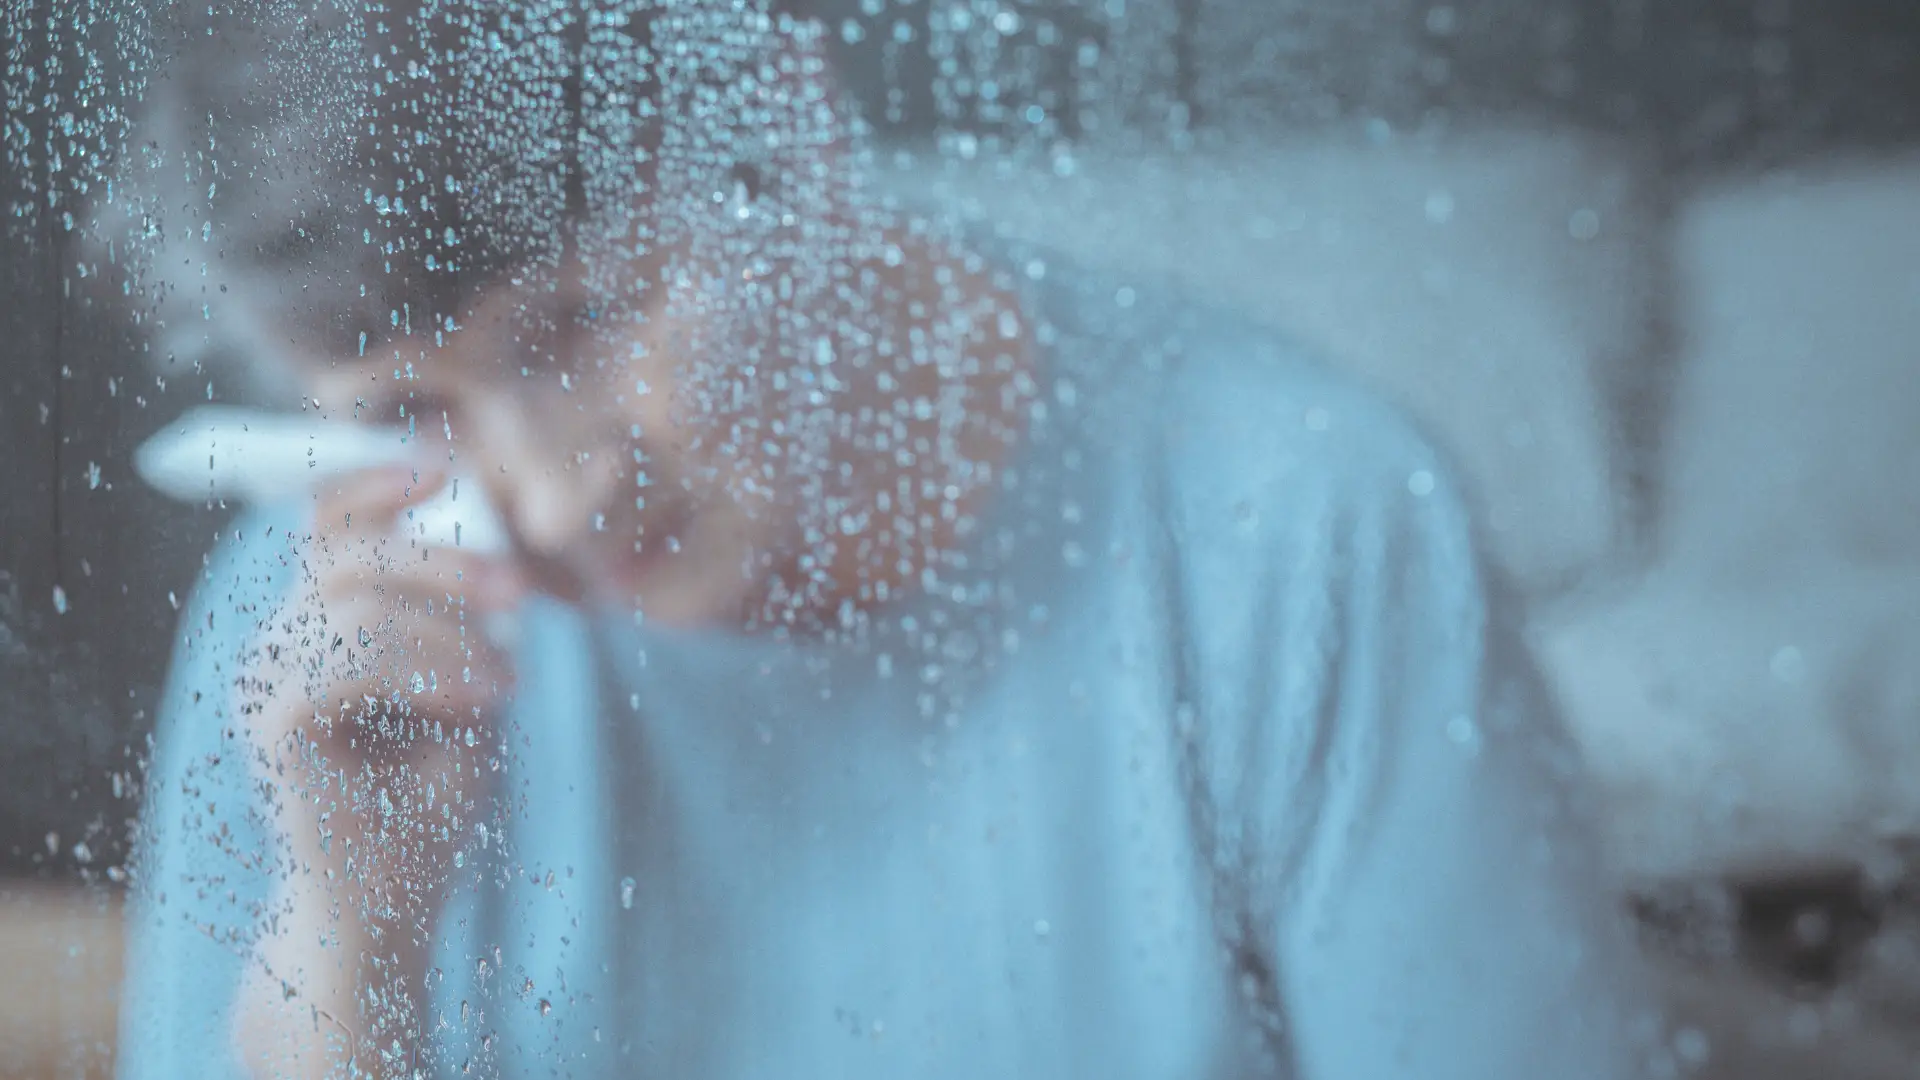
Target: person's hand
point(369, 702)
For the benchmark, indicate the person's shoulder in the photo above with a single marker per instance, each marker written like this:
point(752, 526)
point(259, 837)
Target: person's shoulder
point(1248, 412)
point(1231, 411)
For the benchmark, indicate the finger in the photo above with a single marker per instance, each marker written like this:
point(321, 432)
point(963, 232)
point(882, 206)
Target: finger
point(373, 723)
point(352, 630)
point(385, 639)
point(360, 668)
point(371, 500)
point(373, 627)
point(487, 584)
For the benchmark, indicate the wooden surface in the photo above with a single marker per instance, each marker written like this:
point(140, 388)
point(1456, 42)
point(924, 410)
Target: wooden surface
point(61, 951)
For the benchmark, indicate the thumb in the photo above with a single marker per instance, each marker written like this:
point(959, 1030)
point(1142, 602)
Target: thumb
point(371, 500)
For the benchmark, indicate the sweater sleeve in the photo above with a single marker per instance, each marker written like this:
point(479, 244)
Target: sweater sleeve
point(1430, 890)
point(1406, 868)
point(203, 863)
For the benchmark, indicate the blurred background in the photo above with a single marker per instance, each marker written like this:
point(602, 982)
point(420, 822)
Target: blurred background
point(1649, 271)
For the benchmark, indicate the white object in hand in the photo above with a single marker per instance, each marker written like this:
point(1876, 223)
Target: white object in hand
point(253, 455)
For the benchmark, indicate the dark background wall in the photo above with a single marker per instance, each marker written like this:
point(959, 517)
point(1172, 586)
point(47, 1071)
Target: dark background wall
point(1702, 85)
point(77, 687)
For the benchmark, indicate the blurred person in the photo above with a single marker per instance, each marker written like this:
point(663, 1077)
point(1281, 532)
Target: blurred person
point(931, 660)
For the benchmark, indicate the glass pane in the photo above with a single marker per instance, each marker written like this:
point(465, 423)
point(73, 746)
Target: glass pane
point(1027, 538)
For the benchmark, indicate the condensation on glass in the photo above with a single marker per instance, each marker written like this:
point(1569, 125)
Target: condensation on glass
point(958, 537)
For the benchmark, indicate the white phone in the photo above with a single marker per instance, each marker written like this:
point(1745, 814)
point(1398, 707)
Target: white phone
point(252, 455)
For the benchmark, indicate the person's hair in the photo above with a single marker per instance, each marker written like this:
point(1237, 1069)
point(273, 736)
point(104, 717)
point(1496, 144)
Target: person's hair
point(302, 168)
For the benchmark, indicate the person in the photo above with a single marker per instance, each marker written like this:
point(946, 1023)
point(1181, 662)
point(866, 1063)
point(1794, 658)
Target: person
point(931, 658)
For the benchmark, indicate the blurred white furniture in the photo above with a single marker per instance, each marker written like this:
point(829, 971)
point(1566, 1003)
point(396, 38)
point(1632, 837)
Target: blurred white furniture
point(1756, 695)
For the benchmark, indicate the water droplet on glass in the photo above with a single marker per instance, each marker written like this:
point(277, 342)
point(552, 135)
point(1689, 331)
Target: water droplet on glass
point(1463, 732)
point(1693, 1046)
point(1789, 665)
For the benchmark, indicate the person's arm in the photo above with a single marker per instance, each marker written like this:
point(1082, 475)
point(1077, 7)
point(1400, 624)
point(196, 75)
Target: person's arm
point(1443, 911)
point(351, 689)
point(286, 865)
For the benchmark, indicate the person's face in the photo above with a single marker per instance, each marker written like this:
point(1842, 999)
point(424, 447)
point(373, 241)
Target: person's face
point(615, 448)
point(630, 411)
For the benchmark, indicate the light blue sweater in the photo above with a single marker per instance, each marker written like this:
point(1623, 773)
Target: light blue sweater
point(1203, 757)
